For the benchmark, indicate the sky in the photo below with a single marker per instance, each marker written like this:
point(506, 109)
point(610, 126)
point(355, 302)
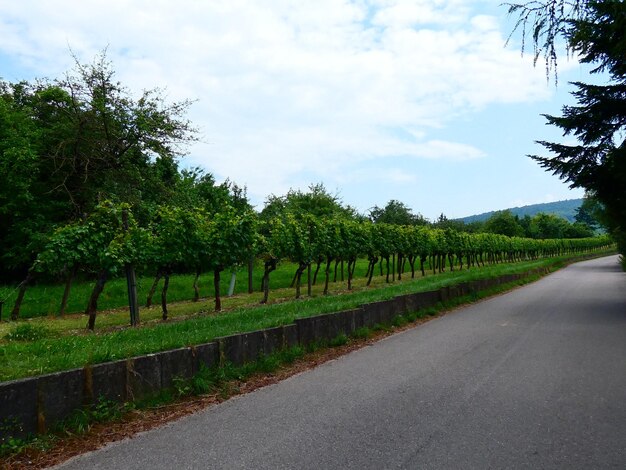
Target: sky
point(414, 100)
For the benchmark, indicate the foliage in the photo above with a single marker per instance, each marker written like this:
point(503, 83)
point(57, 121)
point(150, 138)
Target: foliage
point(97, 243)
point(23, 209)
point(504, 223)
point(181, 239)
point(230, 238)
point(591, 212)
point(540, 226)
point(545, 21)
point(596, 32)
point(197, 189)
point(318, 202)
point(444, 222)
point(175, 238)
point(547, 226)
point(193, 240)
point(68, 144)
point(396, 212)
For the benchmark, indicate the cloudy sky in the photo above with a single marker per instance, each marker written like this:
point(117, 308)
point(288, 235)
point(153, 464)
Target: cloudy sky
point(415, 100)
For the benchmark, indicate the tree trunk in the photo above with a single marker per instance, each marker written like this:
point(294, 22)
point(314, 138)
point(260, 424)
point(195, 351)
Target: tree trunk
point(422, 259)
point(66, 291)
point(157, 278)
point(265, 283)
point(451, 261)
point(131, 281)
point(131, 287)
point(412, 264)
point(15, 313)
point(299, 272)
point(351, 268)
point(400, 260)
point(166, 284)
point(349, 275)
point(336, 265)
point(341, 270)
point(298, 284)
point(265, 286)
point(309, 281)
point(373, 262)
point(317, 269)
point(294, 279)
point(328, 262)
point(387, 278)
point(196, 289)
point(216, 287)
point(250, 272)
point(92, 305)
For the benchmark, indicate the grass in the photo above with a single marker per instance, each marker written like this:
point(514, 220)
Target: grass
point(50, 345)
point(44, 299)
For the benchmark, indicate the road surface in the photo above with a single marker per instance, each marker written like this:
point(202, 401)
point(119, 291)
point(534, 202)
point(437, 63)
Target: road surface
point(535, 378)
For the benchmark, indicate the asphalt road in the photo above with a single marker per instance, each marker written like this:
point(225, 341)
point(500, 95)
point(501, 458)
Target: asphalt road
point(535, 378)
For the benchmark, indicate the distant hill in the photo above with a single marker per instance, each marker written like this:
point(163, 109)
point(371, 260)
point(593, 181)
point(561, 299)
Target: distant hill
point(565, 209)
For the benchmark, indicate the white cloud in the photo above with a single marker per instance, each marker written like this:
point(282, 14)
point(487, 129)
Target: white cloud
point(407, 13)
point(288, 88)
point(379, 176)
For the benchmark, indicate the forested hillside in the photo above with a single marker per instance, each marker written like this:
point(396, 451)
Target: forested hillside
point(565, 209)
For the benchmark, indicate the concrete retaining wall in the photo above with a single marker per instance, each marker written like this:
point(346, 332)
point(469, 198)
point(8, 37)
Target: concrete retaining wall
point(34, 405)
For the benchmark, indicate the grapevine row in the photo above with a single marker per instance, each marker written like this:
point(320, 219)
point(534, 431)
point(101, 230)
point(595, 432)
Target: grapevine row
point(192, 240)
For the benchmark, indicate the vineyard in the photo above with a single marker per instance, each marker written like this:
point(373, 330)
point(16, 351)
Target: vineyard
point(111, 242)
point(97, 195)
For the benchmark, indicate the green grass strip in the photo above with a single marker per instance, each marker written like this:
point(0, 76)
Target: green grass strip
point(23, 358)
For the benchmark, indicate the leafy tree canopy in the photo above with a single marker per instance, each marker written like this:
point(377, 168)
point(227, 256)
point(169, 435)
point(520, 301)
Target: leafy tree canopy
point(68, 144)
point(591, 212)
point(397, 213)
point(317, 201)
point(504, 223)
point(443, 222)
